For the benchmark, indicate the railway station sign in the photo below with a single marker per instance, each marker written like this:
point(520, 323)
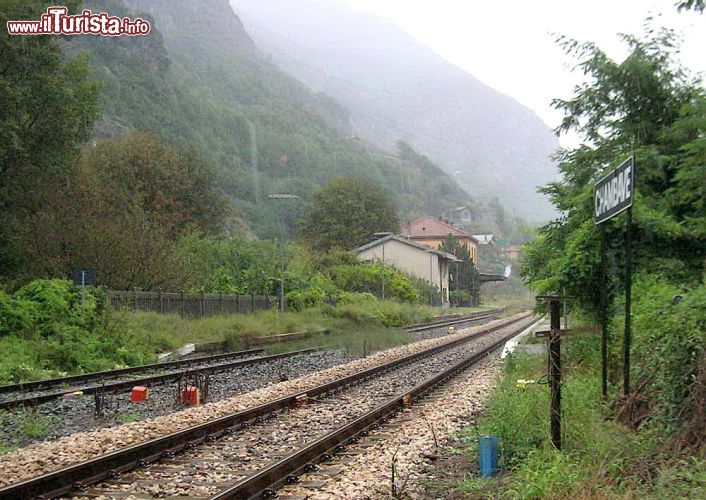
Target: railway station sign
point(615, 192)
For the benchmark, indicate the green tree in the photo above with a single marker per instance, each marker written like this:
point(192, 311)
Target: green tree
point(123, 209)
point(235, 265)
point(346, 213)
point(465, 277)
point(48, 108)
point(646, 105)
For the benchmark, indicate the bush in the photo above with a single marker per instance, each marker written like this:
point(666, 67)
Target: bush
point(357, 298)
point(386, 313)
point(16, 316)
point(670, 335)
point(461, 298)
point(298, 300)
point(368, 278)
point(46, 329)
point(600, 458)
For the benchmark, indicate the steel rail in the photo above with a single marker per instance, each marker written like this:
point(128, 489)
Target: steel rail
point(454, 321)
point(111, 465)
point(38, 385)
point(87, 377)
point(145, 381)
point(262, 484)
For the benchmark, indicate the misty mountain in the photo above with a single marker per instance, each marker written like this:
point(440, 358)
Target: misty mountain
point(198, 80)
point(397, 88)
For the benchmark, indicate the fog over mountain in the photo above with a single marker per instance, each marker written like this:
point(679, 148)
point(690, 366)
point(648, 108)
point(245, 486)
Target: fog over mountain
point(397, 88)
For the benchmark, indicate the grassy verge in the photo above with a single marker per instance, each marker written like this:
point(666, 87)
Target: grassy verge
point(600, 458)
point(125, 339)
point(355, 328)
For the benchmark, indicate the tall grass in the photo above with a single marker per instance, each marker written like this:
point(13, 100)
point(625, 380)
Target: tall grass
point(598, 457)
point(356, 328)
point(137, 337)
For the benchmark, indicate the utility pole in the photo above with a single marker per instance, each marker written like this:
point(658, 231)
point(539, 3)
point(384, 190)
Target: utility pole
point(83, 286)
point(253, 163)
point(383, 271)
point(380, 235)
point(281, 245)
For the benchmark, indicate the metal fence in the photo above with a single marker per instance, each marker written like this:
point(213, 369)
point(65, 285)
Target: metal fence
point(189, 305)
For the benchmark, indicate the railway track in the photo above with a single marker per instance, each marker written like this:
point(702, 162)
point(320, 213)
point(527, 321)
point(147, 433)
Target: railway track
point(231, 448)
point(458, 321)
point(290, 469)
point(439, 327)
point(113, 381)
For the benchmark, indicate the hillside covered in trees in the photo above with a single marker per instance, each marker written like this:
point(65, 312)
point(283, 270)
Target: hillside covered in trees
point(199, 79)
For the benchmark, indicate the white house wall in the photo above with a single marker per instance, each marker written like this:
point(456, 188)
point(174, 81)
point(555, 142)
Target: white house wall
point(410, 260)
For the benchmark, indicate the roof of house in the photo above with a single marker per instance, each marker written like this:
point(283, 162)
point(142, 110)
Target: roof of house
point(406, 241)
point(431, 227)
point(484, 239)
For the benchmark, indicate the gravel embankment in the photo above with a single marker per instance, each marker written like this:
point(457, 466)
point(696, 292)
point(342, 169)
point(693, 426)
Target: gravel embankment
point(67, 416)
point(259, 445)
point(409, 441)
point(44, 457)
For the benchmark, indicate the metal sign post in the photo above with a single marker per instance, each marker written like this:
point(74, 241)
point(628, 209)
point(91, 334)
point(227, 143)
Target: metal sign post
point(628, 298)
point(554, 334)
point(604, 318)
point(614, 194)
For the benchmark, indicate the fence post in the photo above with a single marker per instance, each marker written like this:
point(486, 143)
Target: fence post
point(221, 296)
point(203, 304)
point(252, 302)
point(182, 304)
point(161, 301)
point(134, 299)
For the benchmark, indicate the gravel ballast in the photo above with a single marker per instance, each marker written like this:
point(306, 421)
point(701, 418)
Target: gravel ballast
point(411, 441)
point(78, 414)
point(198, 472)
point(44, 457)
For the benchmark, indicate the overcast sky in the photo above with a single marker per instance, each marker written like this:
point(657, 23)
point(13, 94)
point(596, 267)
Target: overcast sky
point(509, 46)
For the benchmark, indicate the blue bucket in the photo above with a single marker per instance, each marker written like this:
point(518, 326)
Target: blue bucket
point(488, 455)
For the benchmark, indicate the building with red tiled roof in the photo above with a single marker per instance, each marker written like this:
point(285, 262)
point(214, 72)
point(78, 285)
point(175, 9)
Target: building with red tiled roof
point(431, 231)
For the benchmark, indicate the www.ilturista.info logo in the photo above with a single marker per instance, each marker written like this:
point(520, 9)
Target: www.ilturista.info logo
point(57, 21)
